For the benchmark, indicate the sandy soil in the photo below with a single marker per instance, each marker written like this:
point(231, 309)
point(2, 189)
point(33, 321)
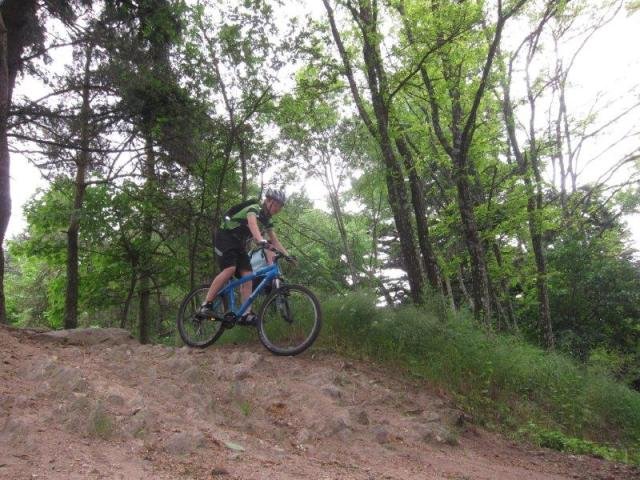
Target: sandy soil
point(117, 409)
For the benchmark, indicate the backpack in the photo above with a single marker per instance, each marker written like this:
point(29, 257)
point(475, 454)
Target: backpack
point(236, 208)
point(228, 215)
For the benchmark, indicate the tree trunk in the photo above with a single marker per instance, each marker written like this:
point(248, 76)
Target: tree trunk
point(463, 288)
point(481, 296)
point(337, 213)
point(366, 17)
point(528, 164)
point(462, 126)
point(127, 303)
point(144, 293)
point(5, 194)
point(243, 168)
point(82, 163)
point(144, 296)
point(401, 215)
point(429, 260)
point(541, 282)
point(511, 317)
point(328, 178)
point(16, 17)
point(71, 294)
point(447, 284)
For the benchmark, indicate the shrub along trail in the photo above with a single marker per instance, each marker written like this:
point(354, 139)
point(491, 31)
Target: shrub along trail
point(117, 409)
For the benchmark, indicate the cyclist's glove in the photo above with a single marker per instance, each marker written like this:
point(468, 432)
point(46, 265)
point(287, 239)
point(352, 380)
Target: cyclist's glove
point(263, 243)
point(292, 259)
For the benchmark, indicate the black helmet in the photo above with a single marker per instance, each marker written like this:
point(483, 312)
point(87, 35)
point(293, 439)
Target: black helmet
point(277, 195)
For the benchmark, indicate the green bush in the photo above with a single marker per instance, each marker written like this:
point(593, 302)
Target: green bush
point(500, 379)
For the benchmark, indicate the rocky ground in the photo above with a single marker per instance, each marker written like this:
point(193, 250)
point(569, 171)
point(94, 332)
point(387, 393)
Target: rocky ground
point(98, 405)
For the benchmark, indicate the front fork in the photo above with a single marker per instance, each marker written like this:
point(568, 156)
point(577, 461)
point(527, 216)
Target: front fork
point(282, 303)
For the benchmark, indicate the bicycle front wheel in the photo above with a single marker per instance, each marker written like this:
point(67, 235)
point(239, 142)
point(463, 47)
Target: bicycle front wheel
point(195, 330)
point(289, 320)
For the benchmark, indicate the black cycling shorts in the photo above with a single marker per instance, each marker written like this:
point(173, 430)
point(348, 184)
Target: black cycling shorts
point(230, 252)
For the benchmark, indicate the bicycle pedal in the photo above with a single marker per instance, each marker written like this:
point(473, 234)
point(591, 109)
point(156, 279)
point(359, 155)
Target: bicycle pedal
point(229, 320)
point(248, 320)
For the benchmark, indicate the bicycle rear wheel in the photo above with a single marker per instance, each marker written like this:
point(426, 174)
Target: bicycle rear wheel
point(289, 320)
point(195, 330)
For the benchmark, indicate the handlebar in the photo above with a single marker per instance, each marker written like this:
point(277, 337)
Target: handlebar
point(279, 254)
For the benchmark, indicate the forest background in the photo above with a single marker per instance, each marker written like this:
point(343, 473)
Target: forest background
point(465, 188)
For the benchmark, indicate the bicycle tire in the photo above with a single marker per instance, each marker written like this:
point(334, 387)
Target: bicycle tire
point(187, 318)
point(294, 338)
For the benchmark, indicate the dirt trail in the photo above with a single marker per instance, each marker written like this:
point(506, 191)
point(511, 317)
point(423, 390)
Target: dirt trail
point(126, 411)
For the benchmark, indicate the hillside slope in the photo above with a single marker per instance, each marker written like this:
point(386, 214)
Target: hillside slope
point(121, 410)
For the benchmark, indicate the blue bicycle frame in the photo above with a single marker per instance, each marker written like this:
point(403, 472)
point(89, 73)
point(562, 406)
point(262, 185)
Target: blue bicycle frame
point(270, 272)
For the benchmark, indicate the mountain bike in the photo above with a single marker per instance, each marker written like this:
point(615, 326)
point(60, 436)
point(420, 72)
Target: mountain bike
point(288, 321)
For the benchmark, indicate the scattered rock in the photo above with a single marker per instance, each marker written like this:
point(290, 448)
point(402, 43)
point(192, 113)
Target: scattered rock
point(139, 424)
point(14, 431)
point(304, 436)
point(182, 443)
point(341, 380)
point(334, 426)
point(113, 400)
point(39, 370)
point(89, 336)
point(241, 389)
point(152, 374)
point(381, 434)
point(234, 446)
point(360, 417)
point(332, 391)
point(194, 374)
point(68, 379)
point(436, 433)
point(463, 419)
point(175, 391)
point(21, 401)
point(219, 472)
point(432, 417)
point(145, 349)
point(179, 364)
point(240, 372)
point(414, 412)
point(6, 402)
point(239, 367)
point(100, 423)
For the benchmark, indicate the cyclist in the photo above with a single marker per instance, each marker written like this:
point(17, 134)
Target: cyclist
point(230, 246)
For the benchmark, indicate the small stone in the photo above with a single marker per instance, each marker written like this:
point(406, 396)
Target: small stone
point(332, 391)
point(178, 364)
point(381, 434)
point(432, 417)
point(362, 418)
point(241, 372)
point(439, 434)
point(20, 401)
point(194, 374)
point(303, 436)
point(115, 400)
point(182, 443)
point(234, 446)
point(335, 426)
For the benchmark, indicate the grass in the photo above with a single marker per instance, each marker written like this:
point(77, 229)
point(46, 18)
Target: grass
point(100, 423)
point(246, 408)
point(502, 381)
